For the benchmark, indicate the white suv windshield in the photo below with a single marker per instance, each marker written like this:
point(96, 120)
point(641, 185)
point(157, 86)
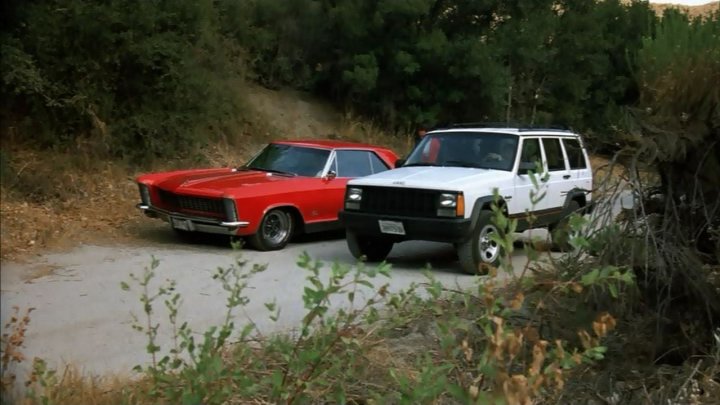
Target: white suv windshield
point(466, 149)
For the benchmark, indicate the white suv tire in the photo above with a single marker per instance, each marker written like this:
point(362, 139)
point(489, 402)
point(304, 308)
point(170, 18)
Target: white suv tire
point(560, 232)
point(479, 252)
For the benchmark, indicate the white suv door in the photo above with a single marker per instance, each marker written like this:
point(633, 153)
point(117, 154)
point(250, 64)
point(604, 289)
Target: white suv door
point(580, 170)
point(530, 153)
point(559, 180)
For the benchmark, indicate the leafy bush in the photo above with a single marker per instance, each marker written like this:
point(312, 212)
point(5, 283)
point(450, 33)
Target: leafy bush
point(424, 61)
point(130, 79)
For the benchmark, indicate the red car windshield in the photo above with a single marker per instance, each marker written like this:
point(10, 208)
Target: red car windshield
point(290, 159)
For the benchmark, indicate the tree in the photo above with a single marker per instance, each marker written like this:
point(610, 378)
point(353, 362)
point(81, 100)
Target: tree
point(132, 78)
point(674, 130)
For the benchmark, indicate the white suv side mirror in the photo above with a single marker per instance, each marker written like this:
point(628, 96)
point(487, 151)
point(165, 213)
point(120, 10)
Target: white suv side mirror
point(525, 168)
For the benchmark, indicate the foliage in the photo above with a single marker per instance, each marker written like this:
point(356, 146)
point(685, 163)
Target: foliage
point(11, 345)
point(677, 72)
point(675, 127)
point(157, 77)
point(426, 61)
point(675, 131)
point(279, 38)
point(139, 78)
point(328, 356)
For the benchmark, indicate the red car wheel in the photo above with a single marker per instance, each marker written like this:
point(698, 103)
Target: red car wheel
point(274, 231)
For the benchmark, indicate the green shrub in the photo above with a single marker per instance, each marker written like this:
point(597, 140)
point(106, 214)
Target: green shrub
point(130, 78)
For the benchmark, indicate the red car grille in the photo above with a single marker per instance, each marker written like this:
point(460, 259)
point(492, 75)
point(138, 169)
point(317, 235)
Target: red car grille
point(177, 202)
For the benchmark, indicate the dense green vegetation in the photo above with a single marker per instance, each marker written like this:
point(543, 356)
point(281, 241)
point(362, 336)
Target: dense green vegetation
point(137, 77)
point(131, 77)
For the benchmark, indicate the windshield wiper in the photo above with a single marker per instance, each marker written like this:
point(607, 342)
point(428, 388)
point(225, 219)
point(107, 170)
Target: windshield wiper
point(461, 163)
point(420, 164)
point(280, 172)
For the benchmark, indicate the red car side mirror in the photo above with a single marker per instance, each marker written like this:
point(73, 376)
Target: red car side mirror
point(330, 175)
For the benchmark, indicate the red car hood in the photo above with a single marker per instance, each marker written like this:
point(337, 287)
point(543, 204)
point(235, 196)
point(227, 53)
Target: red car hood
point(215, 182)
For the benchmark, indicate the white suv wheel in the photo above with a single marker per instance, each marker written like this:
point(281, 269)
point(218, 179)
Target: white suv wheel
point(488, 248)
point(480, 251)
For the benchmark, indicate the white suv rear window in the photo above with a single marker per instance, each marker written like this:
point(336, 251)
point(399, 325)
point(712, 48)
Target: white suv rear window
point(574, 154)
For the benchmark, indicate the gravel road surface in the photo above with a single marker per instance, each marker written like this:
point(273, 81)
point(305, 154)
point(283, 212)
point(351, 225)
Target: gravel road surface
point(82, 316)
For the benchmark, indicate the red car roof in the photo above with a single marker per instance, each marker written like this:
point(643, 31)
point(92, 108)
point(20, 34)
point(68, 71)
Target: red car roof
point(328, 144)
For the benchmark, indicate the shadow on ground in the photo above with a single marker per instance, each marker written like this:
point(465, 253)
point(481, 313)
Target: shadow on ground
point(161, 234)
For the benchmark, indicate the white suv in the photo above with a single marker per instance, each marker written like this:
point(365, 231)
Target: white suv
point(444, 190)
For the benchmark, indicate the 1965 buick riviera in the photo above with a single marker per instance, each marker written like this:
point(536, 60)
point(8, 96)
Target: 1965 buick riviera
point(287, 188)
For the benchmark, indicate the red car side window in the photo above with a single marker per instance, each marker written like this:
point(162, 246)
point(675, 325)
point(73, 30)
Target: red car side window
point(377, 164)
point(353, 163)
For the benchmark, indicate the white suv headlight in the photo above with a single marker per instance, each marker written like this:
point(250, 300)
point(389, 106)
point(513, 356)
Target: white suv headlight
point(448, 200)
point(353, 196)
point(451, 205)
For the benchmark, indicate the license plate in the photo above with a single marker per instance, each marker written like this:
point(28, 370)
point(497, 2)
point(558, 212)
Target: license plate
point(182, 224)
point(392, 227)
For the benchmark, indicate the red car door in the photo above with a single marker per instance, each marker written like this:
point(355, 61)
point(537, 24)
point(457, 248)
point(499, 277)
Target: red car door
point(346, 164)
point(320, 199)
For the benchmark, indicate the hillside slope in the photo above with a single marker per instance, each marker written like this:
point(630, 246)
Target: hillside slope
point(294, 114)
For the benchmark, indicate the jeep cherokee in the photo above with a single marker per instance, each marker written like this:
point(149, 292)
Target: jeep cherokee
point(444, 190)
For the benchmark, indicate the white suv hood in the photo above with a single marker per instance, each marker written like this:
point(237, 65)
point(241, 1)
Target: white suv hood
point(434, 177)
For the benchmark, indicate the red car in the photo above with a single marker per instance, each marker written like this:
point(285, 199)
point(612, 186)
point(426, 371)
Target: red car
point(287, 188)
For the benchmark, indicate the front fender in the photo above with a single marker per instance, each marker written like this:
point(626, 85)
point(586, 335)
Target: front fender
point(483, 203)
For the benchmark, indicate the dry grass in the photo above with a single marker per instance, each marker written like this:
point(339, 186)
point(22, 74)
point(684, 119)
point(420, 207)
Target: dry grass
point(692, 11)
point(624, 377)
point(355, 130)
point(74, 387)
point(55, 204)
point(289, 114)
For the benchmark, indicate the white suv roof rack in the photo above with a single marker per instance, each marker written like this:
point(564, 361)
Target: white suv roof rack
point(503, 127)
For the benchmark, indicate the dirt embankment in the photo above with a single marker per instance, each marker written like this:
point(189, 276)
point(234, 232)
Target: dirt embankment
point(52, 200)
point(693, 11)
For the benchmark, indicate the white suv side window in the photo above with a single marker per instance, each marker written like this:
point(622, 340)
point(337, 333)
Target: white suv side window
point(531, 152)
point(580, 172)
point(553, 154)
point(574, 154)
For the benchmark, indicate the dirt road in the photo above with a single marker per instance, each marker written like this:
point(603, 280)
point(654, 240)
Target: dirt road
point(83, 317)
